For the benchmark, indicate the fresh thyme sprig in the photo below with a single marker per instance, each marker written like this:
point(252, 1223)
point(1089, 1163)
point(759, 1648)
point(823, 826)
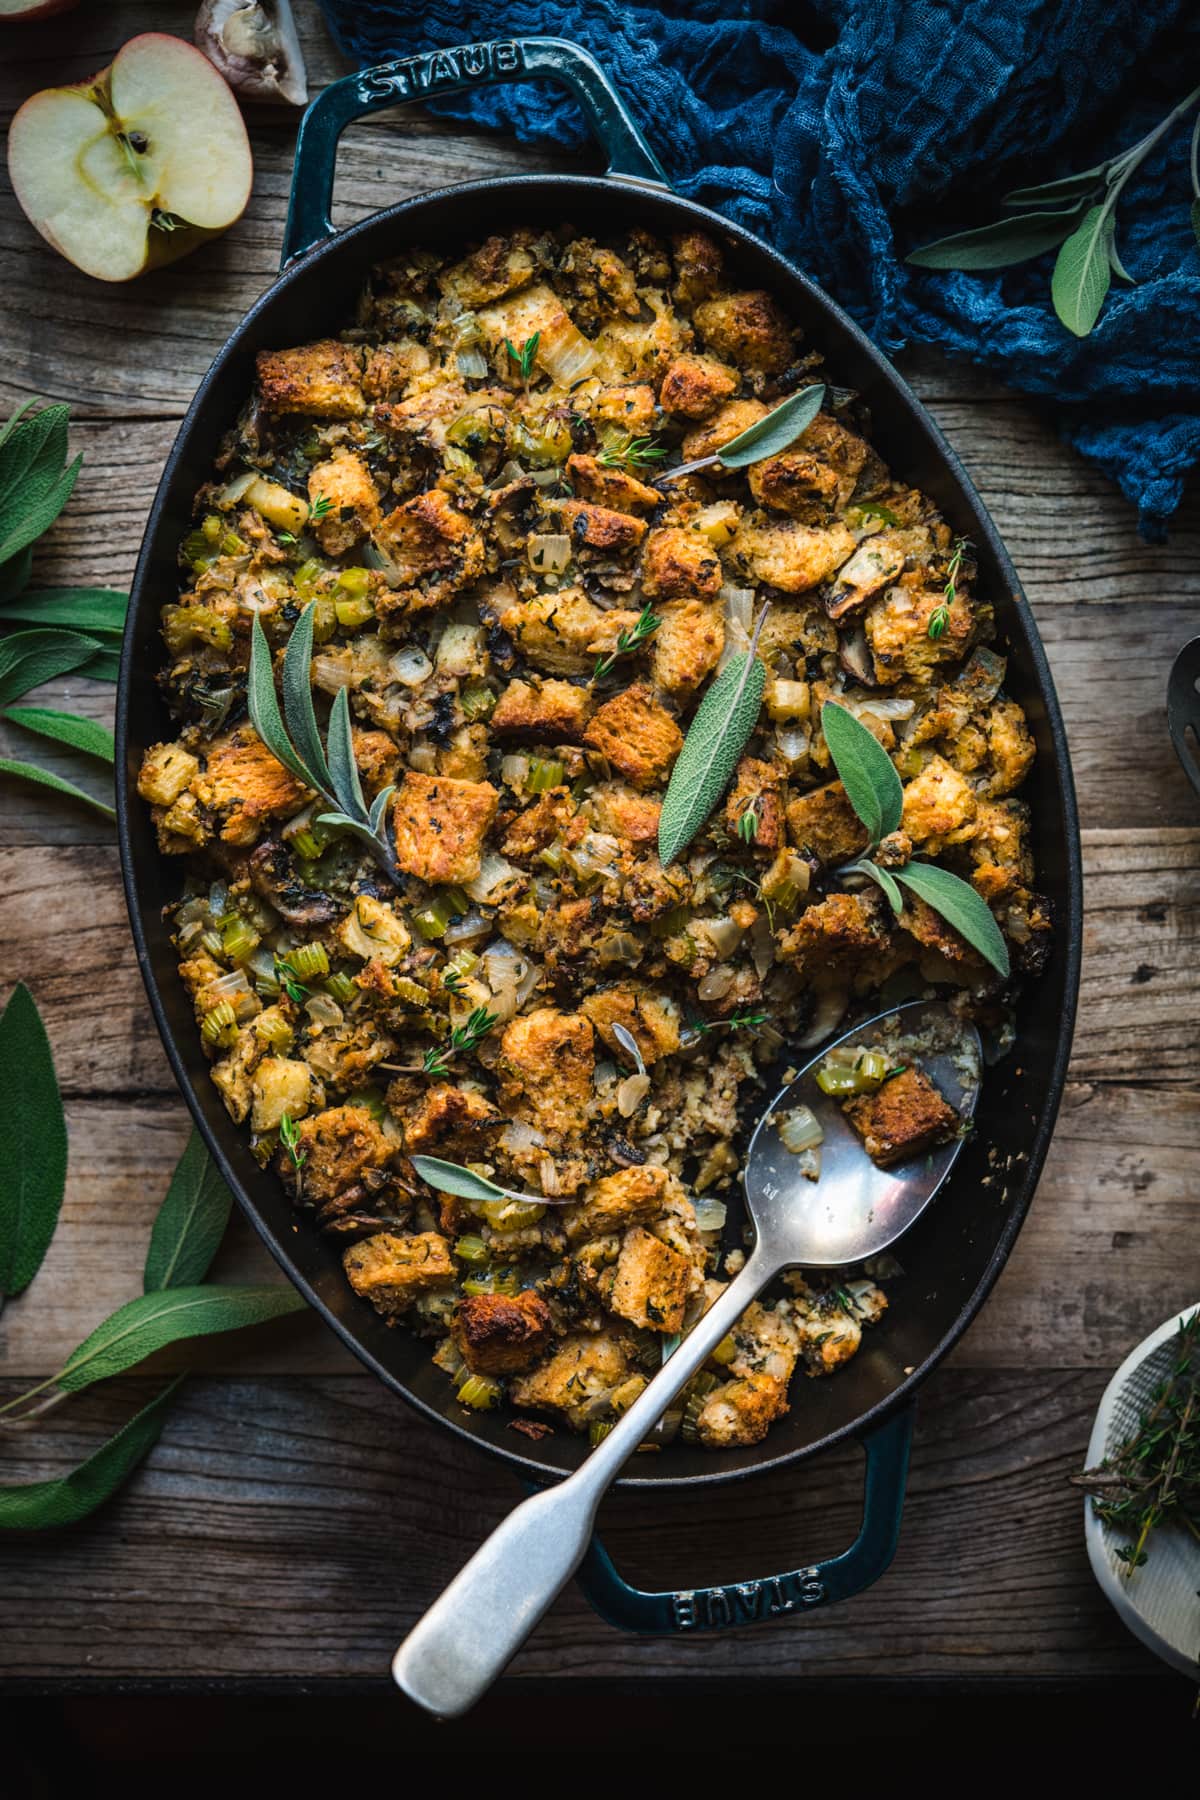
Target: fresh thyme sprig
point(524, 356)
point(289, 1137)
point(635, 452)
point(317, 510)
point(939, 618)
point(295, 989)
point(646, 624)
point(462, 1038)
point(747, 825)
point(747, 1021)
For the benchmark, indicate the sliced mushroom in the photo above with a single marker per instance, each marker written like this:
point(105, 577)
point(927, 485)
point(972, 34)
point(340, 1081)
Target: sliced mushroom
point(274, 878)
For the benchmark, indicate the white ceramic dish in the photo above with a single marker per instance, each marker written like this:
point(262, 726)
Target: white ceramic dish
point(1159, 1602)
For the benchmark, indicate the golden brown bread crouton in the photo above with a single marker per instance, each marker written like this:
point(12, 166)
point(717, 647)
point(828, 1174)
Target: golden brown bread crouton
point(624, 812)
point(337, 1147)
point(353, 510)
point(446, 1117)
point(1011, 750)
point(741, 1412)
point(629, 405)
point(792, 557)
point(547, 1062)
point(836, 935)
point(906, 1117)
point(933, 933)
point(500, 266)
point(592, 527)
point(897, 628)
point(533, 311)
point(246, 786)
point(325, 378)
point(392, 1271)
point(747, 329)
point(756, 789)
point(817, 472)
point(378, 758)
point(554, 711)
point(877, 562)
point(687, 646)
point(694, 386)
point(499, 1334)
point(999, 849)
point(428, 536)
point(390, 367)
point(610, 487)
point(583, 1366)
point(680, 565)
point(638, 736)
point(564, 632)
point(729, 421)
point(698, 266)
point(650, 891)
point(649, 1018)
point(939, 806)
point(538, 825)
point(651, 1285)
point(600, 285)
point(440, 825)
point(629, 1197)
point(825, 824)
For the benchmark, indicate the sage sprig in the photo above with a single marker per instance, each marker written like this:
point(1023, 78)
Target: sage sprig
point(191, 1222)
point(33, 1142)
point(453, 1178)
point(87, 735)
point(874, 790)
point(329, 769)
point(775, 432)
point(1076, 212)
point(48, 1505)
point(722, 727)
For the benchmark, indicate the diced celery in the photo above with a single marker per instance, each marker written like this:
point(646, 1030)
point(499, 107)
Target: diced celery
point(543, 774)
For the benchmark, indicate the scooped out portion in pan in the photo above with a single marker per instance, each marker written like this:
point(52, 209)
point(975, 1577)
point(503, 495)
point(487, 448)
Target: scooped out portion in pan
point(425, 912)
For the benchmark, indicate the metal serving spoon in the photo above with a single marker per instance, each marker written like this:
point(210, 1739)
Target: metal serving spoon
point(855, 1210)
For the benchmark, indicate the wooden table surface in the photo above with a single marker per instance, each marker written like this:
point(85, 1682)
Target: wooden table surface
point(295, 1518)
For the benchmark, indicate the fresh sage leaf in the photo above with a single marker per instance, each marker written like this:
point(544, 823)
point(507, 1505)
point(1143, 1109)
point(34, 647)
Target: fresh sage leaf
point(342, 767)
point(33, 452)
point(882, 878)
point(28, 658)
point(95, 610)
point(190, 1224)
point(1067, 187)
point(33, 1142)
point(865, 770)
point(87, 735)
point(1082, 274)
point(1116, 265)
point(152, 1321)
point(263, 703)
point(14, 575)
point(379, 808)
point(961, 907)
point(24, 771)
point(37, 515)
point(999, 245)
point(723, 724)
point(769, 435)
point(452, 1178)
point(104, 666)
point(46, 1505)
point(298, 707)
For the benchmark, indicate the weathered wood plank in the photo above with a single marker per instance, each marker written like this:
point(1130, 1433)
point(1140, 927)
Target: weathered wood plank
point(1108, 1250)
point(296, 1528)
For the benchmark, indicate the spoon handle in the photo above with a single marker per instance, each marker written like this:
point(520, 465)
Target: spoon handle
point(451, 1656)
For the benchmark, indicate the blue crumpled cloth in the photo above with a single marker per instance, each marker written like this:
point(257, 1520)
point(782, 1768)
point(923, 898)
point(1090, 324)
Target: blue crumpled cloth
point(848, 131)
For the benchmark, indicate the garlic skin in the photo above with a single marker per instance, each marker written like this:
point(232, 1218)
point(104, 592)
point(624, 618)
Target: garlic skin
point(256, 47)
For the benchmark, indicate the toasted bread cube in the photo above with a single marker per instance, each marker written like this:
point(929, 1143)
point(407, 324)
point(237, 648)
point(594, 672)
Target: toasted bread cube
point(680, 565)
point(583, 1366)
point(280, 1085)
point(534, 311)
point(539, 824)
point(939, 806)
point(687, 646)
point(631, 406)
point(897, 628)
point(166, 770)
point(792, 557)
point(610, 487)
point(729, 421)
point(498, 1334)
point(564, 632)
point(390, 368)
point(374, 931)
point(440, 825)
point(591, 527)
point(247, 786)
point(747, 329)
point(428, 535)
point(694, 386)
point(933, 933)
point(337, 1148)
point(555, 712)
point(698, 266)
point(907, 1116)
point(1010, 747)
point(649, 1018)
point(377, 756)
point(324, 378)
point(353, 510)
point(820, 469)
point(846, 932)
point(629, 1197)
point(756, 789)
point(638, 736)
point(447, 1117)
point(824, 824)
point(392, 1271)
point(741, 1412)
point(547, 1063)
point(625, 812)
point(651, 1286)
point(500, 266)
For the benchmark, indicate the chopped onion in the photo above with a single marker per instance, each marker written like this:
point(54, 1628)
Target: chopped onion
point(739, 613)
point(724, 934)
point(322, 1009)
point(710, 1214)
point(471, 925)
point(235, 988)
point(548, 552)
point(618, 947)
point(810, 1164)
point(410, 666)
point(793, 745)
point(631, 1093)
point(423, 758)
point(548, 1176)
point(333, 670)
point(718, 984)
point(565, 353)
point(884, 706)
point(518, 1137)
point(472, 363)
point(233, 490)
point(494, 873)
point(800, 1129)
point(513, 770)
point(829, 1010)
point(458, 648)
point(762, 945)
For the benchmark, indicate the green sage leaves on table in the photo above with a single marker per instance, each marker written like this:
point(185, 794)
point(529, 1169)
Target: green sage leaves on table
point(99, 611)
point(719, 732)
point(190, 1224)
point(28, 658)
point(1001, 244)
point(452, 1178)
point(154, 1320)
point(45, 1505)
point(865, 769)
point(1083, 273)
point(33, 1142)
point(35, 478)
point(87, 735)
point(24, 771)
point(960, 906)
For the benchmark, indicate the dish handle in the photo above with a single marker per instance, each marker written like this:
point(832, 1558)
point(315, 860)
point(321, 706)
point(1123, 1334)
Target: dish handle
point(690, 1610)
point(449, 72)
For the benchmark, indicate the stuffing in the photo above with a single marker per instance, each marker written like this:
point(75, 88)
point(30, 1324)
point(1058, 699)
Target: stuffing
point(741, 1412)
point(444, 1120)
point(500, 266)
point(613, 488)
point(583, 1366)
point(939, 807)
point(624, 812)
point(791, 557)
point(539, 824)
point(564, 632)
point(905, 1118)
point(694, 386)
point(756, 792)
point(747, 329)
point(698, 266)
point(337, 1148)
point(825, 825)
point(324, 378)
point(651, 1284)
point(836, 936)
point(377, 757)
point(245, 786)
point(680, 565)
point(167, 769)
point(554, 711)
point(651, 1021)
point(499, 1335)
point(439, 825)
point(729, 421)
point(875, 564)
point(547, 1060)
point(343, 502)
point(391, 1271)
point(599, 528)
point(436, 551)
point(897, 628)
point(638, 736)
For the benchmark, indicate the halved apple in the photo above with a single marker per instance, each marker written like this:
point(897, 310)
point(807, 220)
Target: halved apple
point(17, 10)
point(137, 166)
